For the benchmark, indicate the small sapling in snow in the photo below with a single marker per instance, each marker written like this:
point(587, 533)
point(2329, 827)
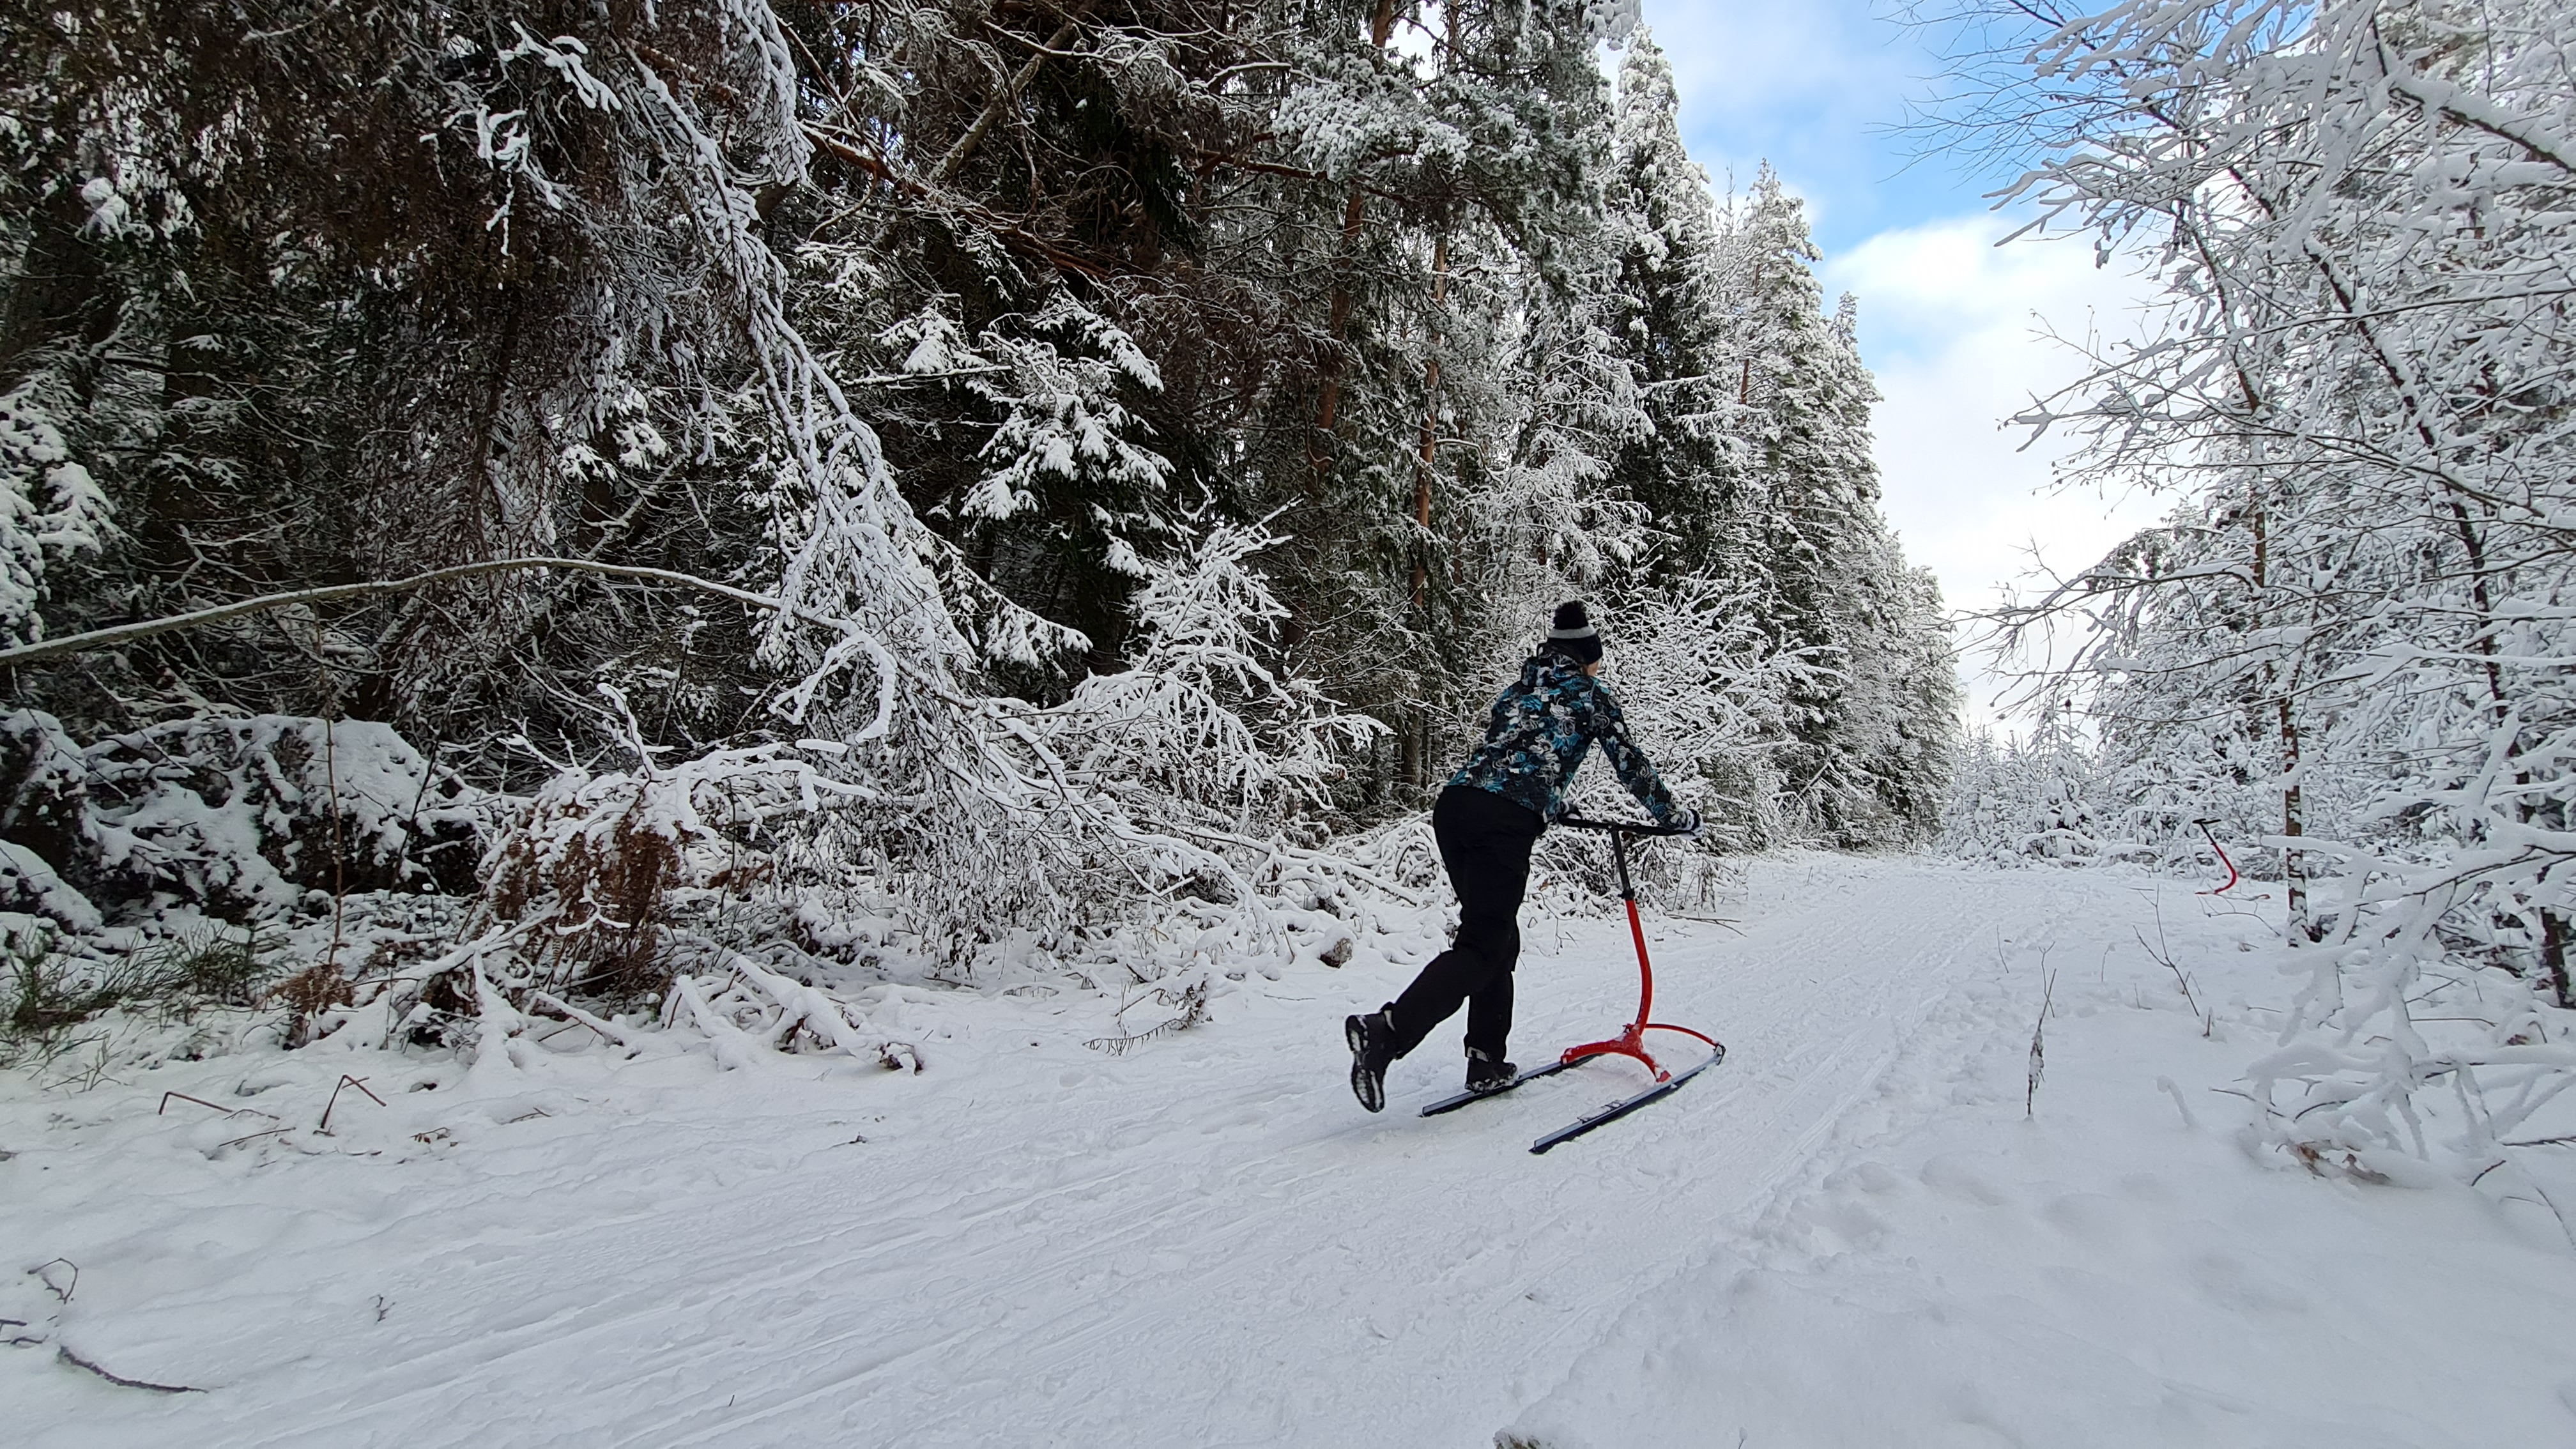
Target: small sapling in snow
point(2038, 1048)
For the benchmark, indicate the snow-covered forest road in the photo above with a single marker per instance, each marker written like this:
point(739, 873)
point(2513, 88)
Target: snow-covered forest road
point(1201, 1242)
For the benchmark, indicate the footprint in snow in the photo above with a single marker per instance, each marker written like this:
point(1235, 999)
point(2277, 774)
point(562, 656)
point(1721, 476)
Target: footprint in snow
point(1952, 1174)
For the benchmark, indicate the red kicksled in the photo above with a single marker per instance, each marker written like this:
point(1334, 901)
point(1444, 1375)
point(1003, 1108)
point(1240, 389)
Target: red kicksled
point(1631, 1040)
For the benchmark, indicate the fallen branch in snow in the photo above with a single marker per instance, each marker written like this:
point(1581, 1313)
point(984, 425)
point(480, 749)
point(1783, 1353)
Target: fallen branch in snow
point(1193, 1005)
point(62, 1291)
point(805, 1007)
point(541, 1001)
point(76, 1361)
point(733, 1046)
point(210, 1106)
point(345, 1081)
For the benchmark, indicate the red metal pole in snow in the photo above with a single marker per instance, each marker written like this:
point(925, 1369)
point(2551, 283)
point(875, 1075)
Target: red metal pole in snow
point(2232, 876)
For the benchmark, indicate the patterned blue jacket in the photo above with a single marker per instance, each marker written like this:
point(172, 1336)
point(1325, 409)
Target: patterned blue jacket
point(1541, 728)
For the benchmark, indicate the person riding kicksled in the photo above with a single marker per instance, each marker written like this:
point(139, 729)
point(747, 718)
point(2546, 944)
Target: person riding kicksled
point(1487, 820)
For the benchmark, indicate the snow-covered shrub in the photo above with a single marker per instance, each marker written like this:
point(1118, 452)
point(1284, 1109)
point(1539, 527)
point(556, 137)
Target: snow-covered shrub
point(2406, 1056)
point(239, 816)
point(1700, 685)
point(587, 876)
point(1203, 723)
point(2025, 800)
point(1162, 793)
point(2430, 1025)
point(588, 864)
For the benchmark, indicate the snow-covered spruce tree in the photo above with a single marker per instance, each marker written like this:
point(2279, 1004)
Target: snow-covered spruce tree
point(1476, 201)
point(1536, 521)
point(1832, 585)
point(1690, 465)
point(1904, 705)
point(1704, 689)
point(2358, 399)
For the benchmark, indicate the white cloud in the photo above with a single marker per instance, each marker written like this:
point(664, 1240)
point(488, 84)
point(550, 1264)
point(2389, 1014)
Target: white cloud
point(1954, 327)
point(1755, 60)
point(1798, 84)
point(1956, 330)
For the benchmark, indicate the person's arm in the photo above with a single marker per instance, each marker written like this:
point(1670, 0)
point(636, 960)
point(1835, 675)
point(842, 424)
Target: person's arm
point(1609, 728)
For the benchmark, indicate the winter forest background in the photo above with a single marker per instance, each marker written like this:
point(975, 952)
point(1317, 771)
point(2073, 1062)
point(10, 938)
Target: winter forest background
point(674, 504)
point(996, 469)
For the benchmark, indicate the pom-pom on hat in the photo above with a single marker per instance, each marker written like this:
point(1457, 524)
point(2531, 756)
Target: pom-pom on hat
point(1573, 636)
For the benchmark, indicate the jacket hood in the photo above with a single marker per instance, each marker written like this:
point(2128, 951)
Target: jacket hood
point(1545, 663)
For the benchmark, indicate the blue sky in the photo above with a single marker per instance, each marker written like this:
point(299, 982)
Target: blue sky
point(1956, 329)
point(1809, 85)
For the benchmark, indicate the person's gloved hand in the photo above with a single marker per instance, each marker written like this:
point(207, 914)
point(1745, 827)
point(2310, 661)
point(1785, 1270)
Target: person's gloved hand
point(1697, 827)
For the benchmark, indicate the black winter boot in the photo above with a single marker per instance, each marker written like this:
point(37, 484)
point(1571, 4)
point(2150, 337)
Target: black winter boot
point(1372, 1043)
point(1484, 1074)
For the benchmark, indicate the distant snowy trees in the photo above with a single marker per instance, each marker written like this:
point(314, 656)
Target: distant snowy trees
point(1753, 460)
point(1057, 461)
point(2349, 642)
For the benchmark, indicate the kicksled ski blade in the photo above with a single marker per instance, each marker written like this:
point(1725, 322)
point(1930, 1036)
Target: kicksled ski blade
point(1617, 1110)
point(1452, 1104)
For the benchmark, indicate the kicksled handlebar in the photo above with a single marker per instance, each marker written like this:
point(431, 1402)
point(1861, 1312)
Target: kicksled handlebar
point(1622, 827)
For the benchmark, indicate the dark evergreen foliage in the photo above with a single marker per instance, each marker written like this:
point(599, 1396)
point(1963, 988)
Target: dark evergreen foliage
point(293, 294)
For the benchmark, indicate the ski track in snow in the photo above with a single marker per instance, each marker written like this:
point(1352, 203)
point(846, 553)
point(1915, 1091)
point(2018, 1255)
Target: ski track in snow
point(2124, 1267)
point(1203, 1242)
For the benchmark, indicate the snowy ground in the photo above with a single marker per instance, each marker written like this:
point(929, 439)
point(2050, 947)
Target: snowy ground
point(1847, 1235)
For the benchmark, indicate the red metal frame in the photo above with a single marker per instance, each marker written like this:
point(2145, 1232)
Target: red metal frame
point(2232, 876)
point(1631, 1041)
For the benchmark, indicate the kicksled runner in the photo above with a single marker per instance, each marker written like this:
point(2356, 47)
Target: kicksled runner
point(1631, 1041)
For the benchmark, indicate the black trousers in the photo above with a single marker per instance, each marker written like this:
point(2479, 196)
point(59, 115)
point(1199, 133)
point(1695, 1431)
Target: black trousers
point(1485, 842)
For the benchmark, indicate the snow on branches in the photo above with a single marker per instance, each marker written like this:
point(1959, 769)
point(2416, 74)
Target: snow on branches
point(2349, 644)
point(51, 510)
point(1021, 484)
